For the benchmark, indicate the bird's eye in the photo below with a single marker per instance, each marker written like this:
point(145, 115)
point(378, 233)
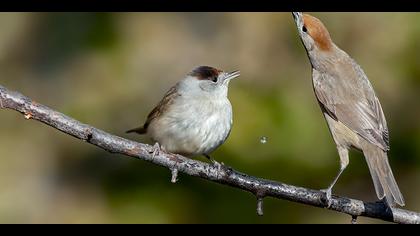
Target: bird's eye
point(304, 29)
point(214, 79)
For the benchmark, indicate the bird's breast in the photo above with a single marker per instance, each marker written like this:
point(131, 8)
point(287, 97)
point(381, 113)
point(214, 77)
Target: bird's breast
point(193, 127)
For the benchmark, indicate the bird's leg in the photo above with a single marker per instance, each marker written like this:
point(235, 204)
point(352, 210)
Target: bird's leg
point(214, 162)
point(344, 161)
point(328, 191)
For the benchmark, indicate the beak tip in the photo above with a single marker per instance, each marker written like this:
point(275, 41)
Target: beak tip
point(297, 16)
point(233, 74)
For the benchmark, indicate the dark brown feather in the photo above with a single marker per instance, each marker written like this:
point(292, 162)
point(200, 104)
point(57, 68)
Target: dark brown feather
point(139, 130)
point(205, 72)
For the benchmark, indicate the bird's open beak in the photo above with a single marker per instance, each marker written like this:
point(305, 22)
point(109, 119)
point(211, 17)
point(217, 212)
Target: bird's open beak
point(232, 75)
point(297, 16)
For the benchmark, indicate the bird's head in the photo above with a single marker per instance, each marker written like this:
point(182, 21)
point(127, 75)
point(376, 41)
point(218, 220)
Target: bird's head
point(313, 33)
point(210, 80)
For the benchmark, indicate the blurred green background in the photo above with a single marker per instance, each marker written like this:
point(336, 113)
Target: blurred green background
point(110, 70)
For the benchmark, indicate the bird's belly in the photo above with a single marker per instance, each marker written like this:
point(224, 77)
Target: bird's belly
point(342, 135)
point(194, 131)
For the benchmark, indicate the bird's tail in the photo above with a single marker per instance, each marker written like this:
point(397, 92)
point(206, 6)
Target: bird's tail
point(383, 179)
point(139, 130)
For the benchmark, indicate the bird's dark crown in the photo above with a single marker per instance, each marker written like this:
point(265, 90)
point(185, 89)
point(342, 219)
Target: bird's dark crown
point(205, 72)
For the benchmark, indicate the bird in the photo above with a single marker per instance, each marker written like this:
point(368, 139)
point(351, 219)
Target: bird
point(351, 109)
point(195, 115)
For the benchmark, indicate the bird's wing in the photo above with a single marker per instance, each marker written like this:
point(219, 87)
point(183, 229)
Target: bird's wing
point(351, 100)
point(162, 106)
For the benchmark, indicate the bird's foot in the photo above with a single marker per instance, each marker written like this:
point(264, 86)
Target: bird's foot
point(327, 196)
point(216, 164)
point(155, 150)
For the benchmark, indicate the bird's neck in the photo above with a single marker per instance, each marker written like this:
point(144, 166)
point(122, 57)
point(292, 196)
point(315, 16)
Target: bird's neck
point(323, 61)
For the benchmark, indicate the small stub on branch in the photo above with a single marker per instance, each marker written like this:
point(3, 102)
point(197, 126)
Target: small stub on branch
point(89, 134)
point(174, 173)
point(27, 115)
point(260, 206)
point(353, 220)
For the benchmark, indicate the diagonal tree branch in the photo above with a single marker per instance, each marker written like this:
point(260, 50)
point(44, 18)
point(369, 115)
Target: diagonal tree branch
point(176, 163)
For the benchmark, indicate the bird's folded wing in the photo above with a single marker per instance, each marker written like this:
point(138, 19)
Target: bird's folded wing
point(162, 106)
point(352, 101)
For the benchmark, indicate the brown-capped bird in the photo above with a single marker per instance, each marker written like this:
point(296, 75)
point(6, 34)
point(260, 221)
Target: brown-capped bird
point(352, 110)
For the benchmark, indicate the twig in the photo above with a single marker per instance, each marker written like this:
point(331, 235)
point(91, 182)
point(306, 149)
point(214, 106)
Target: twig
point(354, 220)
point(224, 175)
point(260, 206)
point(174, 173)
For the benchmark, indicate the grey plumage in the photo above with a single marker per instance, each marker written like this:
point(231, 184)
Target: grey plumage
point(352, 110)
point(163, 105)
point(195, 116)
point(383, 178)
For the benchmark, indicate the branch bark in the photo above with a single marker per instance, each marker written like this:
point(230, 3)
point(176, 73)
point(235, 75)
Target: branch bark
point(224, 175)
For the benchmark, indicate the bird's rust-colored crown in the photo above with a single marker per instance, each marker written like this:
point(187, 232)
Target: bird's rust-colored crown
point(318, 32)
point(205, 72)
